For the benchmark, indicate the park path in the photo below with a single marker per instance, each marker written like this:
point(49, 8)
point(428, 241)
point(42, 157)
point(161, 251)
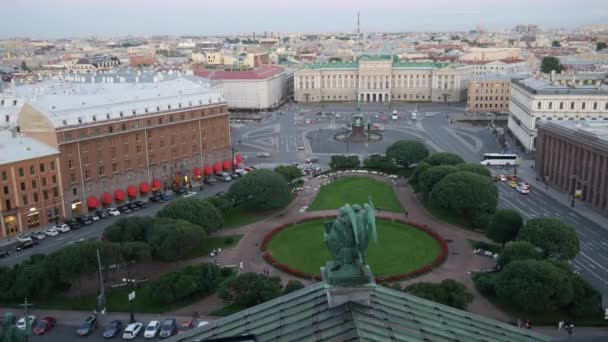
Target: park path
point(460, 262)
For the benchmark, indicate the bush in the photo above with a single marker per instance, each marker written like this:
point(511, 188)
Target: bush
point(194, 210)
point(249, 289)
point(191, 281)
point(128, 229)
point(261, 189)
point(293, 285)
point(379, 163)
point(485, 282)
point(223, 203)
point(289, 172)
point(444, 158)
point(448, 292)
point(415, 178)
point(475, 168)
point(517, 250)
point(339, 162)
point(171, 239)
point(465, 193)
point(407, 152)
point(504, 226)
point(556, 239)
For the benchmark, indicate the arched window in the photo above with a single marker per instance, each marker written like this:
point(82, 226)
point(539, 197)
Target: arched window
point(550, 105)
point(561, 105)
point(571, 105)
point(538, 105)
point(583, 105)
point(4, 177)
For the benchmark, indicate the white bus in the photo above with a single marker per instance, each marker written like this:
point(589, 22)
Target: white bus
point(499, 159)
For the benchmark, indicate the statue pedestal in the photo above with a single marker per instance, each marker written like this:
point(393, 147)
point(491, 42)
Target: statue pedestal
point(350, 283)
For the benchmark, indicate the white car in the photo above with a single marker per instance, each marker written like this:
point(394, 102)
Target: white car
point(152, 329)
point(95, 218)
point(39, 236)
point(24, 238)
point(51, 232)
point(307, 121)
point(300, 147)
point(189, 194)
point(62, 228)
point(131, 331)
point(21, 322)
point(264, 154)
point(522, 190)
point(337, 115)
point(113, 211)
point(202, 324)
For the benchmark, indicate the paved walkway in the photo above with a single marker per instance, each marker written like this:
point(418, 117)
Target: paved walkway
point(459, 263)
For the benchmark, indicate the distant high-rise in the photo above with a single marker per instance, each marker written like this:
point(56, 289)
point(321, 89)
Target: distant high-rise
point(358, 25)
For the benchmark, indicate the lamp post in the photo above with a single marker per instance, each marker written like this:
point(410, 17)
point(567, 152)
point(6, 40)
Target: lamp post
point(131, 282)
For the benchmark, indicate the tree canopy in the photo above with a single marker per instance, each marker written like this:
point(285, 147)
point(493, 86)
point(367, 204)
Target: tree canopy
point(504, 226)
point(601, 46)
point(289, 172)
point(128, 229)
point(517, 250)
point(448, 292)
point(171, 239)
point(261, 189)
point(551, 63)
point(379, 163)
point(465, 193)
point(432, 176)
point(444, 158)
point(340, 162)
point(475, 168)
point(249, 289)
point(194, 210)
point(407, 152)
point(190, 281)
point(556, 239)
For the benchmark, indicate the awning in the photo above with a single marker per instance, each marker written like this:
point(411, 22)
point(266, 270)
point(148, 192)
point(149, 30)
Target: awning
point(208, 170)
point(217, 167)
point(155, 184)
point(227, 165)
point(132, 191)
point(119, 195)
point(238, 158)
point(144, 188)
point(197, 172)
point(106, 198)
point(92, 202)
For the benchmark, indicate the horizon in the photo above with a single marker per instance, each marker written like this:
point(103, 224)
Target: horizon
point(115, 18)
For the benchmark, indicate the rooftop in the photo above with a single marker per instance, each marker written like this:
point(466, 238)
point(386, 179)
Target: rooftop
point(591, 129)
point(544, 87)
point(498, 77)
point(15, 147)
point(305, 315)
point(260, 73)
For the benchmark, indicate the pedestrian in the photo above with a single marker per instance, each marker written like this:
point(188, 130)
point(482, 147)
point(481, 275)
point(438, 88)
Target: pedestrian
point(528, 324)
point(406, 214)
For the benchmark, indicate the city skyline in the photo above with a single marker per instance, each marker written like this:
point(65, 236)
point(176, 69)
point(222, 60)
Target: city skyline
point(70, 18)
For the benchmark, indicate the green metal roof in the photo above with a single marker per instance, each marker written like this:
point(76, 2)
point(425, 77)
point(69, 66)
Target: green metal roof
point(419, 65)
point(334, 65)
point(396, 64)
point(392, 315)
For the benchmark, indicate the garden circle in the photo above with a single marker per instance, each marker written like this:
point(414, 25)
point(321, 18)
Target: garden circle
point(403, 249)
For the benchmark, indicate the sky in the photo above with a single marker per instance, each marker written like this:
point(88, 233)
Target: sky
point(105, 18)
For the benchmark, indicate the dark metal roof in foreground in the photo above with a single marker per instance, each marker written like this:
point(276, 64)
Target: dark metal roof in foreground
point(305, 315)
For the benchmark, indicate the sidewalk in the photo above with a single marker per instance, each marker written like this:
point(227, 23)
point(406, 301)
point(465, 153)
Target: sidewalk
point(527, 173)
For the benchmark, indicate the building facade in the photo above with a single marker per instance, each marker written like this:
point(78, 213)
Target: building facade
point(570, 98)
point(573, 156)
point(489, 93)
point(31, 194)
point(122, 141)
point(381, 79)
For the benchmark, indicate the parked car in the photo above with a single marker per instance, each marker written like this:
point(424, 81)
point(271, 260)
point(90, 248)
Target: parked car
point(39, 236)
point(44, 325)
point(51, 232)
point(209, 180)
point(300, 147)
point(168, 328)
point(240, 172)
point(142, 204)
point(189, 194)
point(25, 245)
point(513, 184)
point(63, 228)
point(155, 199)
point(94, 217)
point(31, 319)
point(131, 331)
point(202, 324)
point(73, 224)
point(101, 214)
point(113, 212)
point(185, 326)
point(133, 206)
point(85, 220)
point(124, 209)
point(522, 190)
point(503, 178)
point(24, 238)
point(87, 326)
point(152, 329)
point(4, 254)
point(312, 160)
point(165, 197)
point(181, 191)
point(112, 329)
point(263, 155)
point(234, 175)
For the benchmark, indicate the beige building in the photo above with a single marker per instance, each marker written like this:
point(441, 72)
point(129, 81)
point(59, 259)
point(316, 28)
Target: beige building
point(491, 54)
point(381, 79)
point(489, 93)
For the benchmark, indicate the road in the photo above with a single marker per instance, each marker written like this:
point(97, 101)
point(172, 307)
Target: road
point(94, 231)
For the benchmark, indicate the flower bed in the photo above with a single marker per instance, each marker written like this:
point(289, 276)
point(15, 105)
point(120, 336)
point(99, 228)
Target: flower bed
point(414, 273)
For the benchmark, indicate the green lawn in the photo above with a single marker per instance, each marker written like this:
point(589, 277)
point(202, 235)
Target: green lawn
point(209, 244)
point(237, 217)
point(400, 248)
point(356, 190)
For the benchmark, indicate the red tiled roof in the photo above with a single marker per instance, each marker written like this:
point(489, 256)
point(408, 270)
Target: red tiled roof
point(255, 74)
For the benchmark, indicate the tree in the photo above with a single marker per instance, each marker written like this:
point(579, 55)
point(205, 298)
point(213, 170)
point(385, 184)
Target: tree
point(222, 202)
point(448, 292)
point(601, 46)
point(475, 168)
point(175, 287)
point(249, 289)
point(551, 63)
point(128, 229)
point(465, 193)
point(293, 285)
point(432, 176)
point(415, 177)
point(289, 172)
point(504, 226)
point(261, 189)
point(556, 239)
point(444, 158)
point(379, 163)
point(171, 239)
point(339, 162)
point(407, 152)
point(534, 285)
point(588, 301)
point(194, 210)
point(556, 43)
point(24, 67)
point(517, 250)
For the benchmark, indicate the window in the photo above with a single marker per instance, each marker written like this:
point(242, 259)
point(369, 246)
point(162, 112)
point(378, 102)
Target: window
point(550, 105)
point(54, 179)
point(86, 174)
point(69, 164)
point(115, 167)
point(583, 105)
point(32, 170)
point(55, 192)
point(6, 190)
point(111, 129)
point(113, 152)
point(100, 171)
point(138, 148)
point(74, 191)
point(594, 105)
point(22, 186)
point(25, 200)
point(561, 105)
point(34, 184)
point(538, 105)
point(571, 105)
point(43, 180)
point(72, 177)
point(36, 197)
point(52, 165)
point(4, 176)
point(45, 195)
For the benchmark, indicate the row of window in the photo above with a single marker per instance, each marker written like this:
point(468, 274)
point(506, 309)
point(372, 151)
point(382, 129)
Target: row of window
point(490, 105)
point(34, 184)
point(21, 171)
point(25, 199)
point(490, 98)
point(571, 105)
point(374, 77)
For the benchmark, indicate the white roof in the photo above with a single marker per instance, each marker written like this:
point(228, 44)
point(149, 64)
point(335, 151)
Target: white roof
point(16, 148)
point(73, 103)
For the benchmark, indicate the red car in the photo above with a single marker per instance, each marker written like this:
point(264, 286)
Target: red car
point(44, 325)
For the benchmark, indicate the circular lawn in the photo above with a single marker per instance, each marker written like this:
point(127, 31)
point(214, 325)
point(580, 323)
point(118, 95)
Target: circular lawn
point(400, 249)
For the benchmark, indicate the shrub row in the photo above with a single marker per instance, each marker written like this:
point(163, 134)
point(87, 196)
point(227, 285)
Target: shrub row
point(419, 271)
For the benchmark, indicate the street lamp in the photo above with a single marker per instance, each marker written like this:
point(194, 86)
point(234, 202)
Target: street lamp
point(131, 282)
